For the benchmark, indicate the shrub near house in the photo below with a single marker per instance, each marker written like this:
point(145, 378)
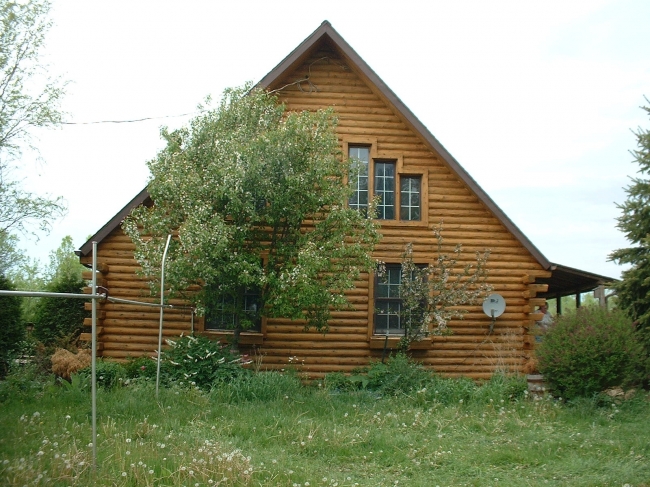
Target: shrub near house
point(591, 350)
point(11, 329)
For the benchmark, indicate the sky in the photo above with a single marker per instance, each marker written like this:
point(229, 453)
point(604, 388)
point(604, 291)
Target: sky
point(538, 101)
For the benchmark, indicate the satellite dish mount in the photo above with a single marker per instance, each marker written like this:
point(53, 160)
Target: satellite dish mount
point(494, 306)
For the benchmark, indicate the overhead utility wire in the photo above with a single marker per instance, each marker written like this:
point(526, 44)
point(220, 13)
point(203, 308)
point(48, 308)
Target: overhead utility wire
point(298, 82)
point(131, 121)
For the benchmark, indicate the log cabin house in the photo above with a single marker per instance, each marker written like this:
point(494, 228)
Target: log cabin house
point(430, 186)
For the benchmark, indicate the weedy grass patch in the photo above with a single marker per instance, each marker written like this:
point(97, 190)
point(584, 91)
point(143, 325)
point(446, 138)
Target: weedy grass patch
point(270, 430)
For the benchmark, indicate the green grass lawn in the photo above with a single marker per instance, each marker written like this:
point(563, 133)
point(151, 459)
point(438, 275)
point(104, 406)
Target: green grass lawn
point(279, 433)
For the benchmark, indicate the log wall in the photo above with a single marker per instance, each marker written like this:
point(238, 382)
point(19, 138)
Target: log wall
point(363, 115)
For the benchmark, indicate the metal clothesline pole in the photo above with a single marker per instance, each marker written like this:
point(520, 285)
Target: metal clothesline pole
point(162, 309)
point(44, 294)
point(94, 356)
point(94, 296)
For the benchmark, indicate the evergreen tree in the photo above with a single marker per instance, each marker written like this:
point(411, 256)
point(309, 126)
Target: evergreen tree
point(61, 318)
point(634, 289)
point(12, 331)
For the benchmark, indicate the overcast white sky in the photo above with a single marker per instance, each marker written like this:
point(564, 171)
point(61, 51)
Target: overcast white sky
point(536, 100)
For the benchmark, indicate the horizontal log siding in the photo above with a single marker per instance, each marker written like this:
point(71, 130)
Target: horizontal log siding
point(131, 330)
point(470, 351)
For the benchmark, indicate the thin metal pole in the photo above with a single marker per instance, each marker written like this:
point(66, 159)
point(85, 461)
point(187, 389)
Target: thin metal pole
point(162, 306)
point(94, 356)
point(45, 294)
point(141, 303)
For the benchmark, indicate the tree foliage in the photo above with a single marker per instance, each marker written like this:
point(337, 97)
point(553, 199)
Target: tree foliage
point(28, 99)
point(64, 262)
point(435, 294)
point(59, 318)
point(256, 198)
point(12, 330)
point(634, 288)
point(10, 258)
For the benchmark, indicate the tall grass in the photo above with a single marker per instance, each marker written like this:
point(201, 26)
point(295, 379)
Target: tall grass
point(268, 429)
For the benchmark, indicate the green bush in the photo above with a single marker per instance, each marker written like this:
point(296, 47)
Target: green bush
point(12, 331)
point(60, 318)
point(108, 374)
point(201, 362)
point(24, 381)
point(141, 367)
point(589, 351)
point(398, 375)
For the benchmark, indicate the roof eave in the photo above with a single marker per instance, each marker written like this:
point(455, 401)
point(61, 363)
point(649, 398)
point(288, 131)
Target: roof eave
point(113, 223)
point(326, 30)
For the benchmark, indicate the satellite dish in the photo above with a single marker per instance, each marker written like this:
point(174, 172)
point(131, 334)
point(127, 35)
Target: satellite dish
point(494, 305)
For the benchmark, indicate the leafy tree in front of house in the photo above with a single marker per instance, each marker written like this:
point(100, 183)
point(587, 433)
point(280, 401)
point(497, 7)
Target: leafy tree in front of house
point(256, 198)
point(634, 289)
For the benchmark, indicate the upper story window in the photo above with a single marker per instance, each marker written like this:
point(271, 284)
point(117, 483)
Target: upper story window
point(410, 198)
point(399, 196)
point(385, 190)
point(361, 165)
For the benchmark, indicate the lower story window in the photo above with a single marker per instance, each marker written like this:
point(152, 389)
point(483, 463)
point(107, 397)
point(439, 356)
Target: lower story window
point(388, 304)
point(227, 312)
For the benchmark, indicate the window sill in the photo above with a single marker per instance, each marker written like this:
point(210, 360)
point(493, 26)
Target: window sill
point(402, 223)
point(379, 342)
point(245, 337)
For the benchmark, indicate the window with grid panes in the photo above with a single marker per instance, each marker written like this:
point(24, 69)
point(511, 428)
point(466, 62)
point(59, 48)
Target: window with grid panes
point(385, 189)
point(361, 160)
point(410, 198)
point(225, 312)
point(388, 303)
point(380, 179)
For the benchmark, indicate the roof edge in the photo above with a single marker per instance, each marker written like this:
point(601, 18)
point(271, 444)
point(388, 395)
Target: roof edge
point(326, 29)
point(113, 223)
